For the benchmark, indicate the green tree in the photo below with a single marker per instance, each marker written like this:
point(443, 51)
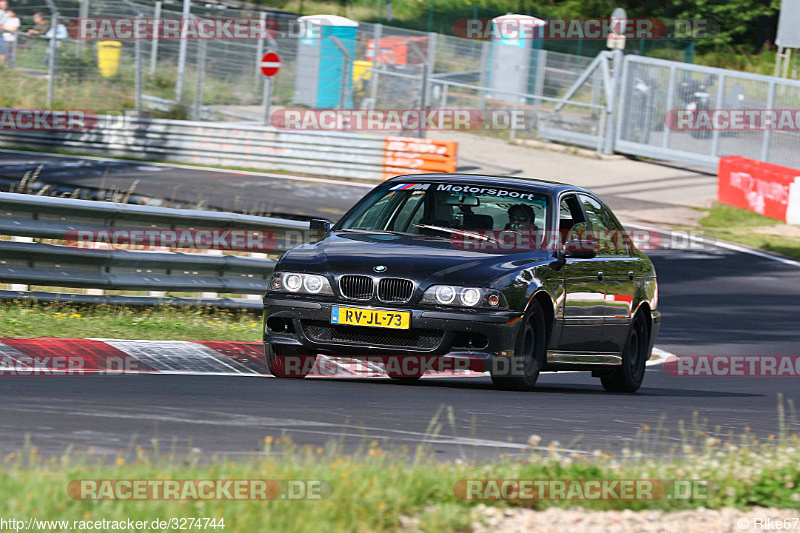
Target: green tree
point(737, 21)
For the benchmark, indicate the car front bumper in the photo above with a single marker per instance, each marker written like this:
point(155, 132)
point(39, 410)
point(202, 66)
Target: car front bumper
point(472, 335)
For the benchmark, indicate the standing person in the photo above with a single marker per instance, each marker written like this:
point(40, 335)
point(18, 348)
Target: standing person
point(9, 28)
point(40, 25)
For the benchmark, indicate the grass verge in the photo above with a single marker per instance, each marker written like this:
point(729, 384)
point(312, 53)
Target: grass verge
point(157, 323)
point(375, 489)
point(751, 229)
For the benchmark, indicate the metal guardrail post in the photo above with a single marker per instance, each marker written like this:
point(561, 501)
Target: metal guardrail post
point(51, 74)
point(201, 74)
point(768, 132)
point(187, 15)
point(154, 42)
point(83, 13)
point(483, 80)
point(423, 101)
point(616, 85)
point(670, 101)
point(377, 32)
point(137, 47)
point(267, 101)
point(541, 73)
point(259, 54)
point(601, 131)
point(51, 67)
point(717, 105)
point(138, 83)
point(512, 130)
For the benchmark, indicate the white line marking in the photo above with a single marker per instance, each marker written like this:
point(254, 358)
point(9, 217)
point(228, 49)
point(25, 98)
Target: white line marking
point(662, 357)
point(270, 64)
point(175, 356)
point(726, 245)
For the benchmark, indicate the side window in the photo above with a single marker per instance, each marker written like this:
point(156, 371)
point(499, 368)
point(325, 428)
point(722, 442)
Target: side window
point(570, 219)
point(611, 241)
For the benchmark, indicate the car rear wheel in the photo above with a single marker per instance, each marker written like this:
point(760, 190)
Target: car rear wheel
point(288, 362)
point(404, 378)
point(629, 375)
point(529, 355)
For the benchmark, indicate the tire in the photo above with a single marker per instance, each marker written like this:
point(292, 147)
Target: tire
point(529, 354)
point(404, 379)
point(629, 375)
point(288, 362)
point(409, 376)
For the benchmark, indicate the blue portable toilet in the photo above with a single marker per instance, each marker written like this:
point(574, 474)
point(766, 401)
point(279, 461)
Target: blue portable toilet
point(512, 65)
point(321, 64)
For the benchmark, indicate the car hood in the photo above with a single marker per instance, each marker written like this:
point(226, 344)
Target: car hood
point(414, 257)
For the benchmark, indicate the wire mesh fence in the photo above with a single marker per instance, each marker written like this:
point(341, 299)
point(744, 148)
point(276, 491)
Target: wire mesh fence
point(220, 79)
point(655, 89)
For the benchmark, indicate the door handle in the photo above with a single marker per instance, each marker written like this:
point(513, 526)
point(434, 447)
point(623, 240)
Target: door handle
point(600, 276)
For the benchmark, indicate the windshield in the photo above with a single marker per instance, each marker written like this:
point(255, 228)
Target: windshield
point(442, 209)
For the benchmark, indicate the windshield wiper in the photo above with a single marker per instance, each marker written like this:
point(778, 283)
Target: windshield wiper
point(384, 231)
point(462, 233)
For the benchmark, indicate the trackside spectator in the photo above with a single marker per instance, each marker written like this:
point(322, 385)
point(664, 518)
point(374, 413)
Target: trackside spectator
point(60, 33)
point(8, 28)
point(40, 26)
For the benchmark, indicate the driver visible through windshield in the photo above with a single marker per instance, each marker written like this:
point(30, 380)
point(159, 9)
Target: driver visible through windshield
point(448, 209)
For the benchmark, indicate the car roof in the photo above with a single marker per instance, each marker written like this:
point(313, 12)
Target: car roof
point(517, 182)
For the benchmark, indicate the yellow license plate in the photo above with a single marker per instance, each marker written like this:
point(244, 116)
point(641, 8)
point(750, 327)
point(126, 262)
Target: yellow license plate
point(369, 317)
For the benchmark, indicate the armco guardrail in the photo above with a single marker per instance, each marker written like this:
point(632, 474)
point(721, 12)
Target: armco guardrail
point(59, 265)
point(240, 145)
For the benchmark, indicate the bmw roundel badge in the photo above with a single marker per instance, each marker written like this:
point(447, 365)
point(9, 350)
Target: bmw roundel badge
point(379, 268)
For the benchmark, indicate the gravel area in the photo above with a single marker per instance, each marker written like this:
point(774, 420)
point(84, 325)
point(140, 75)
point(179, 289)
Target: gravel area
point(554, 520)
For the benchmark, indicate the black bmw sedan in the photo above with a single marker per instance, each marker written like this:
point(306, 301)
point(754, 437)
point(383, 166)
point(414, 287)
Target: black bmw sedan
point(507, 275)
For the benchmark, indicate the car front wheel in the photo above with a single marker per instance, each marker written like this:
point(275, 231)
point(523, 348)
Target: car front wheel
point(629, 375)
point(521, 371)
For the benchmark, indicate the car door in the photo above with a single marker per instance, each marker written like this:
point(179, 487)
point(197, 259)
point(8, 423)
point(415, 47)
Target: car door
point(583, 309)
point(617, 268)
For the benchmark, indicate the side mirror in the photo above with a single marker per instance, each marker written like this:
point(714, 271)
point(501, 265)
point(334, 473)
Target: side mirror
point(319, 226)
point(583, 249)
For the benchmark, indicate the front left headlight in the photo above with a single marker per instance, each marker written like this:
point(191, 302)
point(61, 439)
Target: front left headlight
point(298, 283)
point(457, 296)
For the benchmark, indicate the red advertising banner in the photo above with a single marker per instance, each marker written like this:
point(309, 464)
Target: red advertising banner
point(764, 188)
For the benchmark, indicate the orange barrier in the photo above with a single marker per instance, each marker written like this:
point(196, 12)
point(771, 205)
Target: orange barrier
point(407, 155)
point(395, 50)
point(764, 188)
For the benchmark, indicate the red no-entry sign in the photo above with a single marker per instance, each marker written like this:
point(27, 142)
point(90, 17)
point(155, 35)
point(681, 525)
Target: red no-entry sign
point(270, 64)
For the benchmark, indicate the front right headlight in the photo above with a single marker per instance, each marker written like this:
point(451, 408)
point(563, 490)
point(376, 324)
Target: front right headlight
point(457, 296)
point(298, 283)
